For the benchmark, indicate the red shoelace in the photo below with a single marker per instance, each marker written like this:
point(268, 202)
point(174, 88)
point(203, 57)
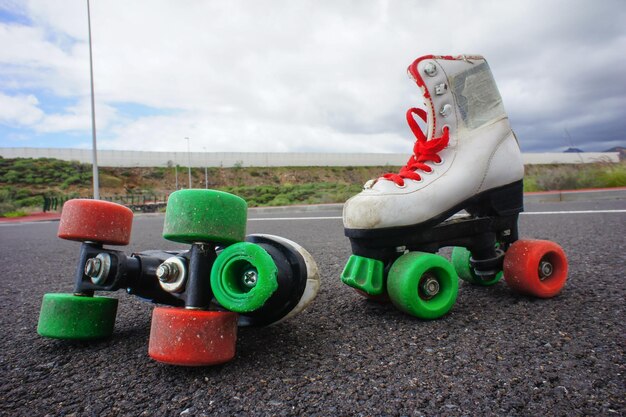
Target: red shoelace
point(423, 150)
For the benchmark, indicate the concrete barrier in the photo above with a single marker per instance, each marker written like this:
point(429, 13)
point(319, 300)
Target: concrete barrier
point(110, 158)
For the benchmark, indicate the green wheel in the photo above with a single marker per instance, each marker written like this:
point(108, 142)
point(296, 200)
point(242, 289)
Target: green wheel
point(423, 285)
point(68, 316)
point(244, 277)
point(194, 216)
point(461, 261)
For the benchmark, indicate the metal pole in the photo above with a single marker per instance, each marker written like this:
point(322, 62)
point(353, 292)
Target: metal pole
point(189, 162)
point(96, 181)
point(176, 171)
point(206, 176)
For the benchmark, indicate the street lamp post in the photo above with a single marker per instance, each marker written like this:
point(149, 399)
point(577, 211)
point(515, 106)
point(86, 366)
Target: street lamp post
point(189, 161)
point(96, 181)
point(206, 174)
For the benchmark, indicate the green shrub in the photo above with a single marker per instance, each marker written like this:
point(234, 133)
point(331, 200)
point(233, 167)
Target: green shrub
point(12, 176)
point(530, 185)
point(74, 179)
point(6, 207)
point(22, 193)
point(614, 176)
point(280, 201)
point(17, 213)
point(31, 201)
point(157, 173)
point(572, 177)
point(5, 195)
point(110, 181)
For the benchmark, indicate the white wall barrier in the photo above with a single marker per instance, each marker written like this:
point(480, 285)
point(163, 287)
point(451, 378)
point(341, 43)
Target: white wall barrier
point(108, 158)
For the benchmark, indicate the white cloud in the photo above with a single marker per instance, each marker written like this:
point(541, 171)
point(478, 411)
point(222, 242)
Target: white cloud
point(24, 111)
point(325, 76)
point(19, 110)
point(76, 118)
point(163, 133)
point(28, 60)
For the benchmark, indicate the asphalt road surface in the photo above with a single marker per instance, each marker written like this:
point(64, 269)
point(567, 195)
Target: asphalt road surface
point(496, 353)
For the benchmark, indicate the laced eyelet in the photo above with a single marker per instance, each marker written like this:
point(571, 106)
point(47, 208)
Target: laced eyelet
point(425, 150)
point(445, 127)
point(446, 110)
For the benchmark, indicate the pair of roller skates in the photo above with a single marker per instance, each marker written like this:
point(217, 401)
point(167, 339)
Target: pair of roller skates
point(461, 188)
point(225, 279)
point(468, 161)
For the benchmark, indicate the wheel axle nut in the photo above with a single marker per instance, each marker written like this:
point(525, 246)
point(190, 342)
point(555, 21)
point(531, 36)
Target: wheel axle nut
point(545, 269)
point(98, 268)
point(167, 272)
point(250, 278)
point(172, 274)
point(93, 267)
point(430, 287)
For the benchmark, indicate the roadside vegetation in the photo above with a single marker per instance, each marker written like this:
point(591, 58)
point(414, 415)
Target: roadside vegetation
point(575, 177)
point(24, 182)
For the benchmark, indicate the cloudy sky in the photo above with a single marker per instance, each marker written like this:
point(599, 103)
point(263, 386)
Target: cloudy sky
point(319, 76)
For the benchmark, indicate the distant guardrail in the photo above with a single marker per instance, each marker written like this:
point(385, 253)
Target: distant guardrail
point(147, 203)
point(111, 158)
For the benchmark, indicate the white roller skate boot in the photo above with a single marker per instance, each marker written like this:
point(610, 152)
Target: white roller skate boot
point(468, 149)
point(467, 159)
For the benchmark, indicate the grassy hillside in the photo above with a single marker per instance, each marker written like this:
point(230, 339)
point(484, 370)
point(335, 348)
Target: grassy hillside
point(24, 182)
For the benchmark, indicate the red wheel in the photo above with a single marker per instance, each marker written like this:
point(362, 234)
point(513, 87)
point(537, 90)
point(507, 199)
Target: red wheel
point(96, 221)
point(535, 267)
point(192, 337)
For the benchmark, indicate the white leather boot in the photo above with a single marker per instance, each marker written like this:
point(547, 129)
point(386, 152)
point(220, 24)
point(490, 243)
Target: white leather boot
point(468, 158)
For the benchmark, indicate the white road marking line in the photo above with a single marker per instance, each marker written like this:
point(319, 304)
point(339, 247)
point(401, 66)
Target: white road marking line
point(575, 212)
point(258, 219)
point(523, 213)
point(294, 218)
point(20, 223)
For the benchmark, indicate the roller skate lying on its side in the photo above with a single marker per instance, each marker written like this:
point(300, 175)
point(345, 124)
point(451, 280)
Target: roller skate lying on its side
point(468, 159)
point(224, 280)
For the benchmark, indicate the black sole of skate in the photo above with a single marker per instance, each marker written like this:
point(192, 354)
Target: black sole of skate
point(491, 219)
